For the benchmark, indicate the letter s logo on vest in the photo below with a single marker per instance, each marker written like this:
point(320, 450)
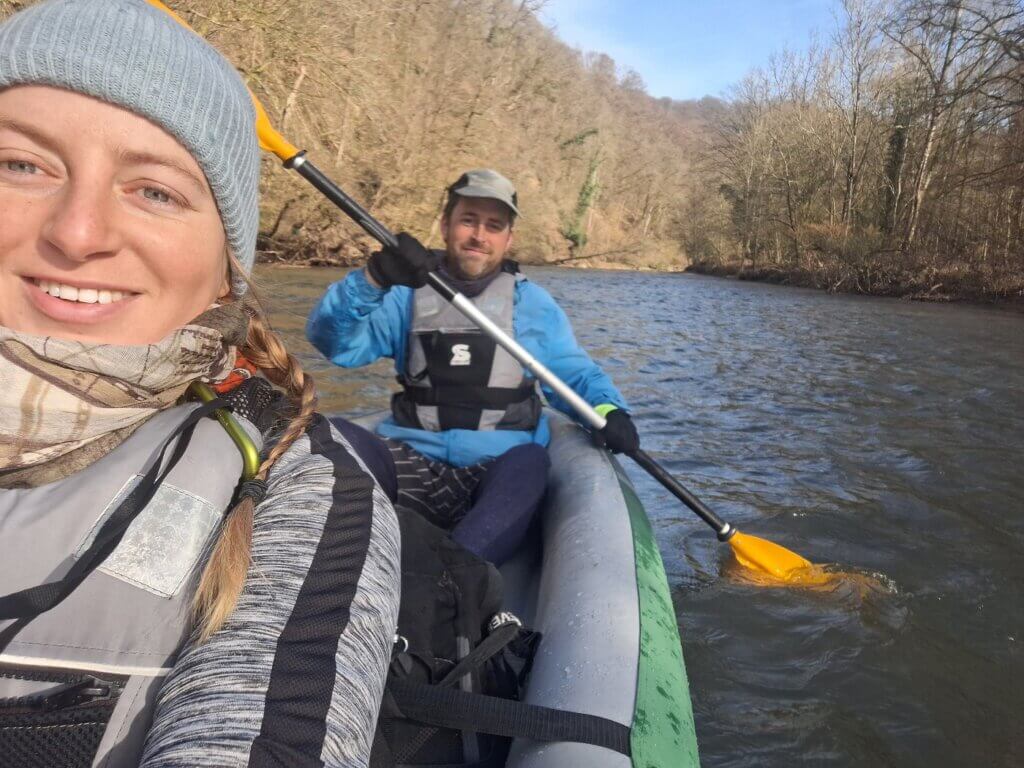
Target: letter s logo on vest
point(460, 355)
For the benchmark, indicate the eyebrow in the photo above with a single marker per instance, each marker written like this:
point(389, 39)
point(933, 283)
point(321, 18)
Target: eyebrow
point(33, 133)
point(133, 157)
point(130, 157)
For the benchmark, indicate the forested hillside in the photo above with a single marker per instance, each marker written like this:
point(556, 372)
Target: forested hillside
point(395, 99)
point(888, 157)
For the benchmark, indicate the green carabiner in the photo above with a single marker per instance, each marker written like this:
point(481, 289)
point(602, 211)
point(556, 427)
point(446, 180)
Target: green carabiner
point(250, 453)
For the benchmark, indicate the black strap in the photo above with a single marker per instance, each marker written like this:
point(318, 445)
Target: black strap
point(28, 603)
point(448, 708)
point(469, 396)
point(491, 645)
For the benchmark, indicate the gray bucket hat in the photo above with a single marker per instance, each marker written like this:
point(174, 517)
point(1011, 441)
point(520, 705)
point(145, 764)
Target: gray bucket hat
point(483, 182)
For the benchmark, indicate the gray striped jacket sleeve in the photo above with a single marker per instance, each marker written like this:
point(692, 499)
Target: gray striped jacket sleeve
point(296, 675)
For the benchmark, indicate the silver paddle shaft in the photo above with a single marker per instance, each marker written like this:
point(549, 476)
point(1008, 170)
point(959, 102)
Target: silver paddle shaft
point(581, 406)
point(528, 361)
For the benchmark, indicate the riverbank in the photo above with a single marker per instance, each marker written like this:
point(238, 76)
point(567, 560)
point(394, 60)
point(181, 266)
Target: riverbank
point(937, 285)
point(919, 284)
point(355, 258)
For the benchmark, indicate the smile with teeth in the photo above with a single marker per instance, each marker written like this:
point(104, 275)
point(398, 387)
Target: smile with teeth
point(80, 295)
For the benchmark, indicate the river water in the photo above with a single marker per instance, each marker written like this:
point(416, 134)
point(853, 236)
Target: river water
point(880, 435)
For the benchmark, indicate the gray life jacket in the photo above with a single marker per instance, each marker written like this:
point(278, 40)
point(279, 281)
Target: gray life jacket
point(457, 377)
point(78, 681)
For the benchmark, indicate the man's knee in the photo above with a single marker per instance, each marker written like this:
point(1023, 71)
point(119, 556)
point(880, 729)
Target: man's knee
point(528, 457)
point(524, 468)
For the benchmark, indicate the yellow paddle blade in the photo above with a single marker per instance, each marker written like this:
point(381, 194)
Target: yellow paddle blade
point(270, 140)
point(774, 564)
point(764, 564)
point(169, 12)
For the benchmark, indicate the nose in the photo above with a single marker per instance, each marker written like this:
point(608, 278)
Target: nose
point(80, 224)
point(479, 231)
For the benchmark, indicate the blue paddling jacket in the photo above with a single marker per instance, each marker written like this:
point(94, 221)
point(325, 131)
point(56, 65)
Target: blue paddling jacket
point(355, 324)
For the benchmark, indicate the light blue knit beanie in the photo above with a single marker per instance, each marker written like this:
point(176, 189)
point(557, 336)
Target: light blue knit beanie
point(131, 54)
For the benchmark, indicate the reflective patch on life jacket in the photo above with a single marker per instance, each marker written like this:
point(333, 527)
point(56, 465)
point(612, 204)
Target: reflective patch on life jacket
point(161, 547)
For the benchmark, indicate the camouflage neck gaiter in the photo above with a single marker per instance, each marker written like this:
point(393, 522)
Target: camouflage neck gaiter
point(59, 396)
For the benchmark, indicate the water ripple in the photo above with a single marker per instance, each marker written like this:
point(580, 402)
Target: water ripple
point(880, 435)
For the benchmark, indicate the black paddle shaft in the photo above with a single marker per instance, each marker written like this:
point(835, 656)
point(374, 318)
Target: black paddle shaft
point(723, 530)
point(357, 213)
point(337, 195)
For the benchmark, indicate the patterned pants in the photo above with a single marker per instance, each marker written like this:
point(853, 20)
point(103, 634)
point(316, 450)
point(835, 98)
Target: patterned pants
point(439, 492)
point(488, 507)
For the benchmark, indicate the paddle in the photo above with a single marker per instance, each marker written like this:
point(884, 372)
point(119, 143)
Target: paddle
point(757, 554)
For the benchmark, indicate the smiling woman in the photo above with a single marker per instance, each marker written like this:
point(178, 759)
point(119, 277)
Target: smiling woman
point(110, 235)
point(167, 581)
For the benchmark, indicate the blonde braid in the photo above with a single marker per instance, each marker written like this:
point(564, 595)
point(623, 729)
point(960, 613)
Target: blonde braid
point(224, 576)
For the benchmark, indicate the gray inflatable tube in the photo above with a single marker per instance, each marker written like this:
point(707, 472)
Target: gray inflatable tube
point(595, 588)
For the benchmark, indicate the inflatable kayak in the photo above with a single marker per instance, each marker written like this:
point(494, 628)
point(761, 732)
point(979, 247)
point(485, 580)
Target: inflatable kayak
point(595, 587)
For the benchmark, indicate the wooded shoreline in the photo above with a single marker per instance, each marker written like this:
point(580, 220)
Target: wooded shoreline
point(933, 287)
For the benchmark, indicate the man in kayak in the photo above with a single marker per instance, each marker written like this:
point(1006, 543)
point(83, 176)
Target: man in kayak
point(467, 431)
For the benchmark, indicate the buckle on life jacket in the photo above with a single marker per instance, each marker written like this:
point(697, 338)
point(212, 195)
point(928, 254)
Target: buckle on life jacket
point(85, 691)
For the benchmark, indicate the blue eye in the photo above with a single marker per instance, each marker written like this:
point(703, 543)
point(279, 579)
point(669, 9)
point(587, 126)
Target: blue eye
point(21, 166)
point(156, 195)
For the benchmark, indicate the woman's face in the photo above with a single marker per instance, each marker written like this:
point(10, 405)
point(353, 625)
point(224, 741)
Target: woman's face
point(108, 229)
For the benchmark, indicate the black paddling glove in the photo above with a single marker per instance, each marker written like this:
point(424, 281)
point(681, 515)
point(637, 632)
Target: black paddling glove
point(408, 264)
point(619, 433)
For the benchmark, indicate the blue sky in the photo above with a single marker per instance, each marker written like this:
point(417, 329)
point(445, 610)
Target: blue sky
point(686, 49)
